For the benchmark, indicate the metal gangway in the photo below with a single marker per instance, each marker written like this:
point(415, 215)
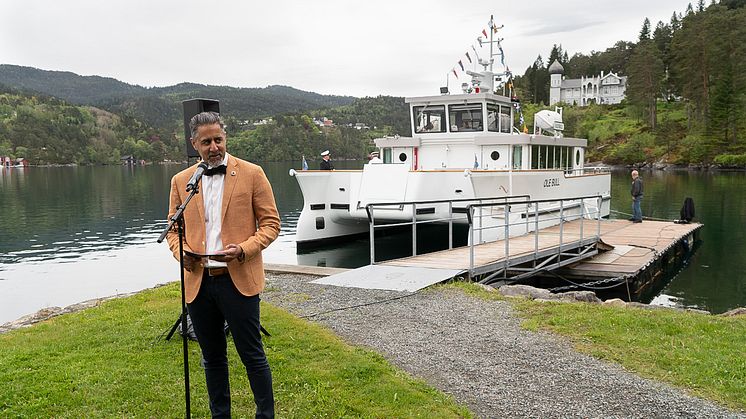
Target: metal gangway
point(510, 237)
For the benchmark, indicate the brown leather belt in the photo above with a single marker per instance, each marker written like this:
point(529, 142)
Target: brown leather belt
point(216, 271)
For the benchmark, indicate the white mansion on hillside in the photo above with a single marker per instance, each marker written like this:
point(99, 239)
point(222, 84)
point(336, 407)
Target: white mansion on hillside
point(605, 89)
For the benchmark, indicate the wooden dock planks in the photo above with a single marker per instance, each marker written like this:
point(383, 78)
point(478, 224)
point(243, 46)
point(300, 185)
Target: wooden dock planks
point(636, 245)
point(647, 240)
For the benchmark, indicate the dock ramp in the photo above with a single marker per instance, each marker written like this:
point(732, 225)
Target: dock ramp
point(393, 278)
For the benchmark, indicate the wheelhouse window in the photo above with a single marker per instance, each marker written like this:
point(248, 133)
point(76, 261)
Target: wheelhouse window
point(498, 118)
point(466, 118)
point(429, 119)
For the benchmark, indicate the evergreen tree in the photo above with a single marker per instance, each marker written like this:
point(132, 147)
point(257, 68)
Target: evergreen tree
point(616, 58)
point(675, 22)
point(555, 54)
point(645, 77)
point(733, 4)
point(727, 108)
point(691, 64)
point(724, 110)
point(540, 81)
point(645, 31)
point(535, 82)
point(662, 38)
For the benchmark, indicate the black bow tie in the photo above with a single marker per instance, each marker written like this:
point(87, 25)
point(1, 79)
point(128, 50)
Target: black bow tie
point(215, 170)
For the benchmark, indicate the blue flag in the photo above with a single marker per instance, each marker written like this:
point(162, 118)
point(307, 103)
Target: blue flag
point(476, 163)
point(305, 163)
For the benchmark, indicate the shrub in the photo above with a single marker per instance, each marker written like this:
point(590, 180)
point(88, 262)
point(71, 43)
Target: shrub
point(731, 160)
point(694, 149)
point(638, 148)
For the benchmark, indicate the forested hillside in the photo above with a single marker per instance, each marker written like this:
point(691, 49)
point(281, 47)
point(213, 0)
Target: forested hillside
point(686, 93)
point(61, 125)
point(161, 106)
point(47, 130)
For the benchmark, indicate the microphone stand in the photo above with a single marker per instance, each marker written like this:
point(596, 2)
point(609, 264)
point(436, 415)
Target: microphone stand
point(178, 219)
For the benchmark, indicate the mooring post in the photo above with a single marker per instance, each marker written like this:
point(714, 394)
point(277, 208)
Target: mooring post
point(414, 229)
point(372, 237)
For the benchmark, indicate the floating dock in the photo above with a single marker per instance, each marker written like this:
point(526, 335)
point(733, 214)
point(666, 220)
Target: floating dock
point(585, 252)
point(641, 253)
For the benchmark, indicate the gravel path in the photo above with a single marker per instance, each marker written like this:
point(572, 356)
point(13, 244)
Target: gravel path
point(476, 351)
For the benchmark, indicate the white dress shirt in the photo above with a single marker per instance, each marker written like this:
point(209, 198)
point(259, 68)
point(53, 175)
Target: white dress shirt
point(212, 196)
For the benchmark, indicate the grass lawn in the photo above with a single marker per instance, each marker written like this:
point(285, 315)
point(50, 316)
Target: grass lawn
point(108, 362)
point(702, 353)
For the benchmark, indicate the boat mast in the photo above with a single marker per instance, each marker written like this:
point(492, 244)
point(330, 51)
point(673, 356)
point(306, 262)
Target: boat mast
point(492, 33)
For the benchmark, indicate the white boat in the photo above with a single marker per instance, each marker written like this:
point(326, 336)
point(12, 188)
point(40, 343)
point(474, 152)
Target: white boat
point(462, 146)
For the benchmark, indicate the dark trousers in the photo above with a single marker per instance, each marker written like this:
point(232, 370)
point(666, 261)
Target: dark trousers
point(219, 301)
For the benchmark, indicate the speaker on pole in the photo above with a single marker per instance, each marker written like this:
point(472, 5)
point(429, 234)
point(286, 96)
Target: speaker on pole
point(193, 107)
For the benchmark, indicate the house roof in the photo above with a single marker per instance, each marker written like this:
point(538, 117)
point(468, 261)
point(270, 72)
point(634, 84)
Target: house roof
point(570, 83)
point(556, 68)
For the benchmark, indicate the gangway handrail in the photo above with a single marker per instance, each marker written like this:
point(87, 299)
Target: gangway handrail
point(472, 208)
point(369, 209)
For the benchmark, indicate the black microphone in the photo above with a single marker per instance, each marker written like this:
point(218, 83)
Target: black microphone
point(194, 180)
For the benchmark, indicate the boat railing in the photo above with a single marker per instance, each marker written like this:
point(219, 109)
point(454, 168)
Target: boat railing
point(593, 170)
point(533, 214)
point(454, 212)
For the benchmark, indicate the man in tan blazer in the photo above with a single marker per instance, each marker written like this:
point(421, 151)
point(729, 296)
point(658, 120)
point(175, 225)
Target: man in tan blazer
point(234, 218)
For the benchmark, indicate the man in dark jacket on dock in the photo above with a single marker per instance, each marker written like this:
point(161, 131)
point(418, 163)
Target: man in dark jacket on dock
point(636, 192)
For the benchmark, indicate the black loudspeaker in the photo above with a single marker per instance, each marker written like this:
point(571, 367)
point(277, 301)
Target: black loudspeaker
point(193, 107)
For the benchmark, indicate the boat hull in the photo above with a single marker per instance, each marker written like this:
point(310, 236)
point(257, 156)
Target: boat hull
point(335, 202)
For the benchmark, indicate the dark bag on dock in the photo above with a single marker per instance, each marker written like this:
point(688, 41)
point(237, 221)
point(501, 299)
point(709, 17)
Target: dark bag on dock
point(687, 211)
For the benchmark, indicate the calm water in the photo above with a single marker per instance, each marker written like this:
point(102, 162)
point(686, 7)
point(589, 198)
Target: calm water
point(72, 233)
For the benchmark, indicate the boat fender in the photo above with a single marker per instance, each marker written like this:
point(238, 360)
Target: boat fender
point(292, 172)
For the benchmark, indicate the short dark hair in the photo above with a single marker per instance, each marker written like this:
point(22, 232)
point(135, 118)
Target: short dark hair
point(205, 118)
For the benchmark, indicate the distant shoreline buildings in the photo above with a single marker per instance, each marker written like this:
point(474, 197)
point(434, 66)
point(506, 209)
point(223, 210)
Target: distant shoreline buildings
point(604, 89)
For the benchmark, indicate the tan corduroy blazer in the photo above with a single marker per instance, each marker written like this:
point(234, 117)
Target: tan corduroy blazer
point(249, 219)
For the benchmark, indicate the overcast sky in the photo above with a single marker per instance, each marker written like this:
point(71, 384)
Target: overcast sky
point(358, 48)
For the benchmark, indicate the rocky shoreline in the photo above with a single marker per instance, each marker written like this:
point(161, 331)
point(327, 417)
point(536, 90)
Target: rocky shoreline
point(524, 291)
point(662, 165)
point(49, 312)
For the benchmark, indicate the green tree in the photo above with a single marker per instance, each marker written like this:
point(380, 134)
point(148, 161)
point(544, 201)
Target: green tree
point(645, 77)
point(662, 36)
point(645, 31)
